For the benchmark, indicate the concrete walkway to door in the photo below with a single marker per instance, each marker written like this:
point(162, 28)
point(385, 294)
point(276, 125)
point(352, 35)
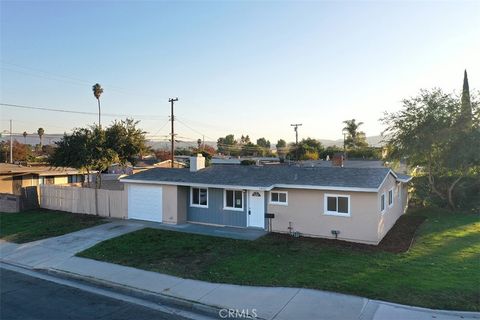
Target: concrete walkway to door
point(209, 230)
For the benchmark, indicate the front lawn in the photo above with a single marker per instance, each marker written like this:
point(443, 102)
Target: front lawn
point(441, 270)
point(39, 224)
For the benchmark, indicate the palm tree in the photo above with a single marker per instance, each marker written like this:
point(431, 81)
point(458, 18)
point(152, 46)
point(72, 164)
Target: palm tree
point(40, 133)
point(25, 136)
point(97, 92)
point(354, 137)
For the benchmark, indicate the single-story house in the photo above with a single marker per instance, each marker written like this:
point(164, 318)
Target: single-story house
point(143, 165)
point(15, 177)
point(352, 204)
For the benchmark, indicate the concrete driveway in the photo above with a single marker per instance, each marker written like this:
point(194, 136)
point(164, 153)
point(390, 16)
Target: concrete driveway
point(48, 253)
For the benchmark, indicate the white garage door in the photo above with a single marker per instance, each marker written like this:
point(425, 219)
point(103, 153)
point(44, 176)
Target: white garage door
point(145, 203)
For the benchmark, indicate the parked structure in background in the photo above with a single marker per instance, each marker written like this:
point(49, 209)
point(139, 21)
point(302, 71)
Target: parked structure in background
point(348, 203)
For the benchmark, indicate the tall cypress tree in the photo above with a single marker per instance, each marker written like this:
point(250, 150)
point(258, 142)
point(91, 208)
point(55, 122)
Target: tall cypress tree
point(466, 107)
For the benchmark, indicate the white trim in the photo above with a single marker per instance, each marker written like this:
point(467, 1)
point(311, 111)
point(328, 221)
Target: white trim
point(269, 188)
point(388, 198)
point(195, 185)
point(384, 202)
point(191, 198)
point(225, 200)
point(278, 203)
point(310, 187)
point(336, 213)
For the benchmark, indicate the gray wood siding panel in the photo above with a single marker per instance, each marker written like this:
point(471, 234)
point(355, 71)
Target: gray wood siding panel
point(215, 213)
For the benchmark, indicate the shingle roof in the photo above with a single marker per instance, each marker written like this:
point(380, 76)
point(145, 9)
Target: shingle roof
point(268, 176)
point(6, 169)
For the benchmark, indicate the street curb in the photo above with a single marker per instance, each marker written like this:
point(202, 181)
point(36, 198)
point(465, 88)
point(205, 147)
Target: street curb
point(210, 310)
point(184, 304)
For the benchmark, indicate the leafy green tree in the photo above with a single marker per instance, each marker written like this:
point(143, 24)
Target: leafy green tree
point(466, 115)
point(227, 145)
point(308, 149)
point(425, 131)
point(263, 143)
point(244, 139)
point(85, 149)
point(281, 147)
point(251, 149)
point(126, 140)
point(355, 138)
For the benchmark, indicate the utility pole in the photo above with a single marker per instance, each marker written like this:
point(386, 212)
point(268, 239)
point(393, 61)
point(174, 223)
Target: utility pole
point(296, 125)
point(172, 100)
point(11, 142)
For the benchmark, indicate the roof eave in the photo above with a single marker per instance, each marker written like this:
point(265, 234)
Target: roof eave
point(266, 188)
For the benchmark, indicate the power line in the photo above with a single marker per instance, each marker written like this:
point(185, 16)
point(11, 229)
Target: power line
point(62, 78)
point(78, 112)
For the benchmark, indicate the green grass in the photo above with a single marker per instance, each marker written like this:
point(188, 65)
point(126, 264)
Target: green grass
point(39, 224)
point(442, 269)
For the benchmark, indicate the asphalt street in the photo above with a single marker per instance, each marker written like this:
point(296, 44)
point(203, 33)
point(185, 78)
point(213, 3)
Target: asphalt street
point(25, 297)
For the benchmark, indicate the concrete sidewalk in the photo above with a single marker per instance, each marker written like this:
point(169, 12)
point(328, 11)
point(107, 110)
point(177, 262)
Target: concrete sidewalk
point(57, 255)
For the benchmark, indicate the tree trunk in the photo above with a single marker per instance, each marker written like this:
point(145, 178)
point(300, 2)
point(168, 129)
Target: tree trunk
point(432, 182)
point(451, 203)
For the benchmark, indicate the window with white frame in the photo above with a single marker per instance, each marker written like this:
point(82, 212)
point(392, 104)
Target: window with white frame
point(199, 197)
point(390, 197)
point(382, 202)
point(338, 205)
point(279, 197)
point(233, 200)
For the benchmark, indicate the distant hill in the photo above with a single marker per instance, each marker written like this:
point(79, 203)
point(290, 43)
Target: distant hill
point(51, 138)
point(374, 141)
point(33, 139)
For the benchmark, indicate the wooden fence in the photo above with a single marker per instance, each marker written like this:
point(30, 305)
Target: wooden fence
point(111, 203)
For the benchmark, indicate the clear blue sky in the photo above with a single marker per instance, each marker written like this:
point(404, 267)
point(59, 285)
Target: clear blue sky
point(237, 67)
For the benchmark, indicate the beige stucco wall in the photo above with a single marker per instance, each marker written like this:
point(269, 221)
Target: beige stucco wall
point(305, 211)
point(391, 214)
point(182, 204)
point(29, 180)
point(6, 184)
point(61, 180)
point(169, 202)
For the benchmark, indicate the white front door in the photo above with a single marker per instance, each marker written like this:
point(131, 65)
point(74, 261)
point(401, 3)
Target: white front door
point(256, 209)
point(145, 202)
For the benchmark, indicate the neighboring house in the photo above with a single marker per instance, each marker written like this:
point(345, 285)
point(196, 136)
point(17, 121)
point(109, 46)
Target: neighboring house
point(143, 165)
point(238, 160)
point(353, 204)
point(15, 177)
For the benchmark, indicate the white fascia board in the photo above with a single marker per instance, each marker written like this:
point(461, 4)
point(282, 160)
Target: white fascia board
point(198, 185)
point(285, 186)
point(399, 179)
point(331, 188)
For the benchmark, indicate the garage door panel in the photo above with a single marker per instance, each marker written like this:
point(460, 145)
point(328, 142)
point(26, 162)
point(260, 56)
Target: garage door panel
point(145, 203)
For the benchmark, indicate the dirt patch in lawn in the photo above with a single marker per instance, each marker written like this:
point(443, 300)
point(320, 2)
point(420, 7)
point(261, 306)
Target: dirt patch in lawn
point(401, 236)
point(397, 240)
